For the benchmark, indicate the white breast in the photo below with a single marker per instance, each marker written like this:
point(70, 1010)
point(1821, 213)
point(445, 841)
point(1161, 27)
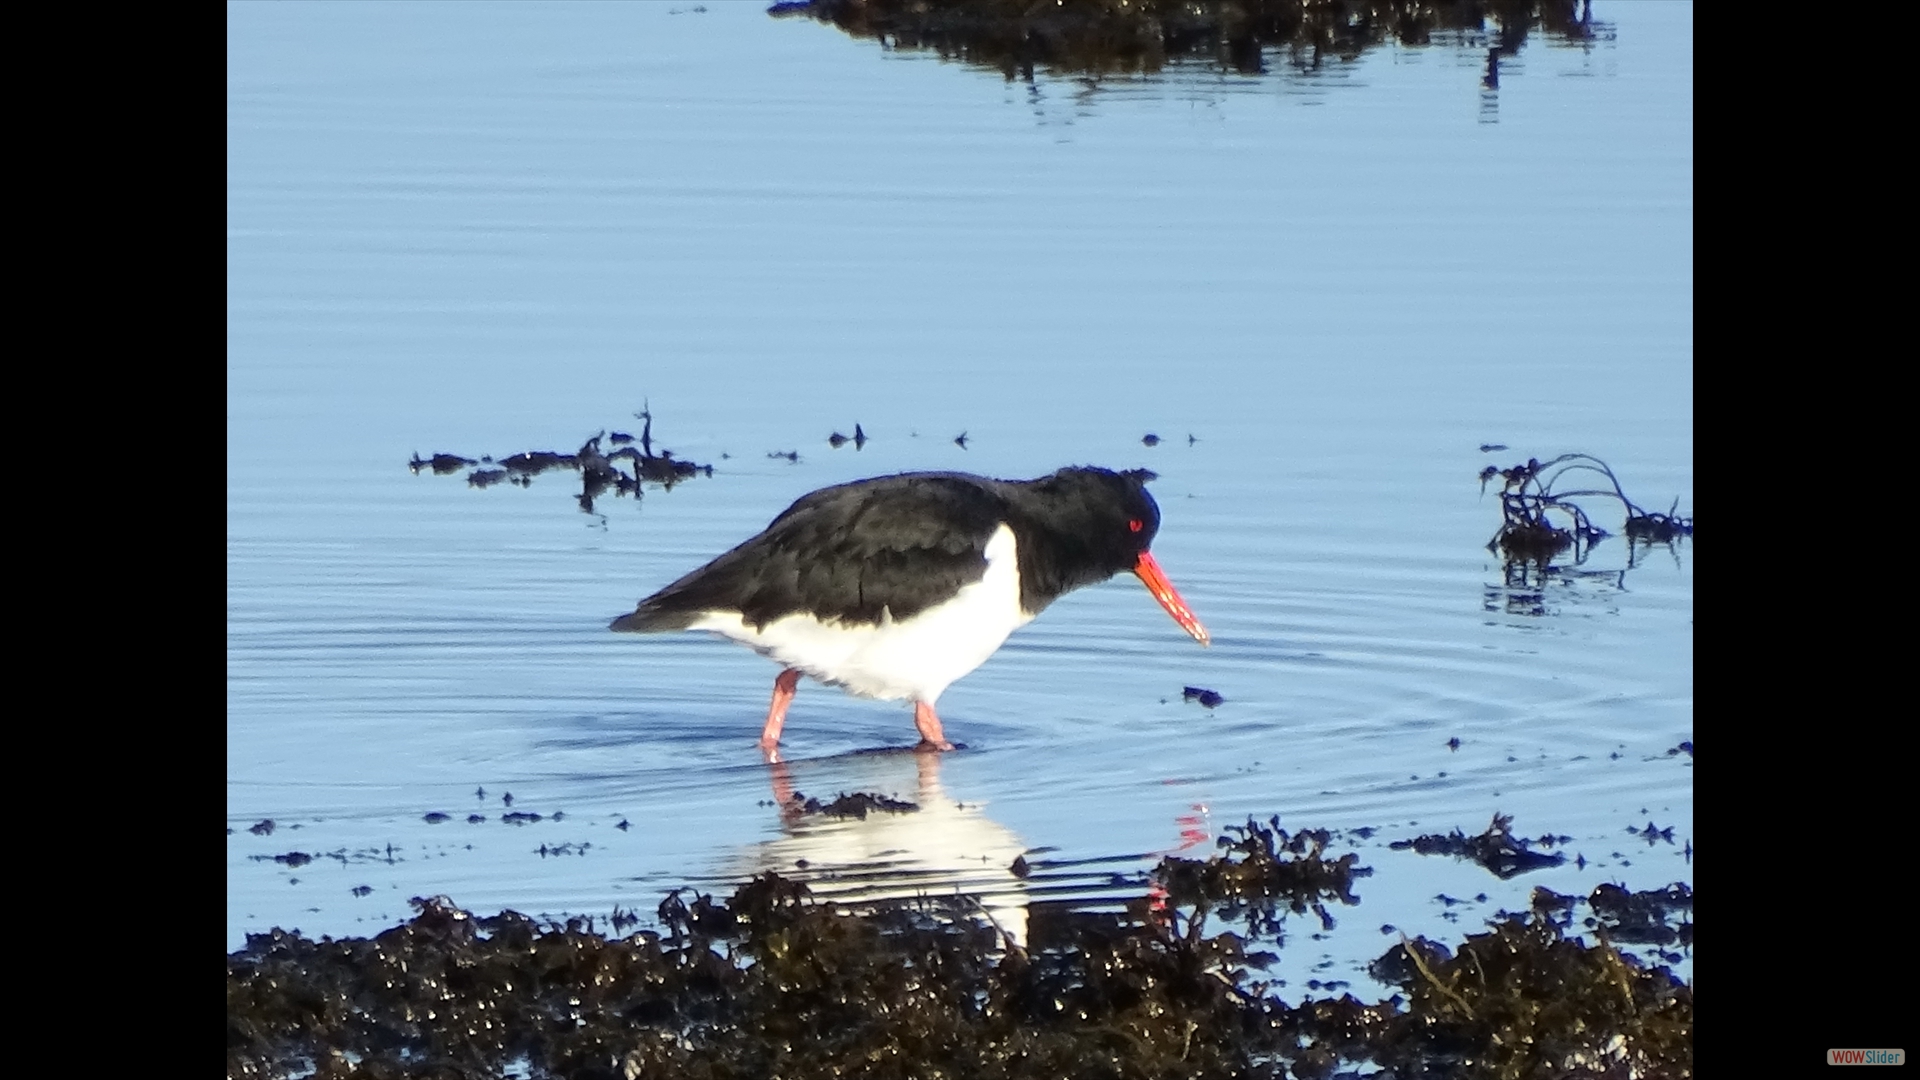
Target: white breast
point(916, 659)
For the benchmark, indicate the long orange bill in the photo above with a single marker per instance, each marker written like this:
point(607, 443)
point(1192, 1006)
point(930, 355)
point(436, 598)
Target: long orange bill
point(1163, 591)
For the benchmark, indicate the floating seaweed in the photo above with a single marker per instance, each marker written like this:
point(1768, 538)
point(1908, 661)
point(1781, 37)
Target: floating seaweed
point(441, 464)
point(1641, 917)
point(1657, 528)
point(1540, 521)
point(599, 472)
point(859, 439)
point(1497, 849)
point(856, 805)
point(1210, 698)
point(1094, 38)
point(1257, 883)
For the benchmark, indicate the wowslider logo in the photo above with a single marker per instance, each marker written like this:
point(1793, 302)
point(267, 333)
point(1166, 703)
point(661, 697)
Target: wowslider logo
point(1866, 1057)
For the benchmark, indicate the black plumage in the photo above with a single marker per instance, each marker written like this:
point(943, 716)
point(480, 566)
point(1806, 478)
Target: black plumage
point(893, 546)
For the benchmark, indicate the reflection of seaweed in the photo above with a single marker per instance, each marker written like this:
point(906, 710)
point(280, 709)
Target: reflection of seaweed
point(1530, 505)
point(1102, 37)
point(598, 471)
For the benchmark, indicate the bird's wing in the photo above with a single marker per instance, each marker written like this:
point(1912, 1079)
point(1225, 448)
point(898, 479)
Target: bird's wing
point(856, 553)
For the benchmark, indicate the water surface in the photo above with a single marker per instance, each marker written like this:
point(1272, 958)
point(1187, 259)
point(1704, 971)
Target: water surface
point(492, 228)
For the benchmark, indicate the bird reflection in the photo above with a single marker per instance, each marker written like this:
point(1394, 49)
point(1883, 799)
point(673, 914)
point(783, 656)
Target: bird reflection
point(941, 849)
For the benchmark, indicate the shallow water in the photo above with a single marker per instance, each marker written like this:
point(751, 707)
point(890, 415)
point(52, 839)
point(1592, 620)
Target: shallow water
point(485, 229)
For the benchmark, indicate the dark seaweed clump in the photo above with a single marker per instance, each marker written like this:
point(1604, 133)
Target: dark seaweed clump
point(1103, 37)
point(1524, 1000)
point(1210, 698)
point(1497, 849)
point(624, 470)
point(1642, 917)
point(859, 439)
point(772, 982)
point(1255, 882)
point(857, 805)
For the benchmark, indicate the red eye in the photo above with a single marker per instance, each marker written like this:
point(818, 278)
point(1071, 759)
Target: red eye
point(1134, 525)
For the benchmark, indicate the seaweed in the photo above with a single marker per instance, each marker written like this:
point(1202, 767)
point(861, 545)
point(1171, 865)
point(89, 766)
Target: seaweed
point(1540, 520)
point(857, 805)
point(773, 981)
point(600, 472)
point(1523, 1001)
point(1497, 849)
point(1092, 39)
point(1209, 698)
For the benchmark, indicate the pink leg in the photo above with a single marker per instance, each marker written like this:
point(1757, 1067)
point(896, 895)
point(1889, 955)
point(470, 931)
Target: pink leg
point(783, 687)
point(931, 737)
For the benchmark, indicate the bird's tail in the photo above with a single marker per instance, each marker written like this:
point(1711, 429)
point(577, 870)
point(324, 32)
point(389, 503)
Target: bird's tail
point(651, 619)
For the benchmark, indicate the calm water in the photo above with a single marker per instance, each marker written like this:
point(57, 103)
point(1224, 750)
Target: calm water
point(492, 228)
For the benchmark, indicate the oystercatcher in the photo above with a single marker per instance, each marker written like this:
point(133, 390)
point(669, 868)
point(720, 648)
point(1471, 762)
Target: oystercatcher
point(895, 587)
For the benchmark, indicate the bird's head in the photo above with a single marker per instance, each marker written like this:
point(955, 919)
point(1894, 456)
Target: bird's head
point(1115, 519)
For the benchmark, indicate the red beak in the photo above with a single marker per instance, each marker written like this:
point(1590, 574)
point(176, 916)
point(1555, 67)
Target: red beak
point(1163, 591)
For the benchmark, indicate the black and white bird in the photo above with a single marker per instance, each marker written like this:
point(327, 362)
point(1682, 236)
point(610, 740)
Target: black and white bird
point(894, 587)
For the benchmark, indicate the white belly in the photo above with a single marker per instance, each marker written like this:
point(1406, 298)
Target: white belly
point(915, 659)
